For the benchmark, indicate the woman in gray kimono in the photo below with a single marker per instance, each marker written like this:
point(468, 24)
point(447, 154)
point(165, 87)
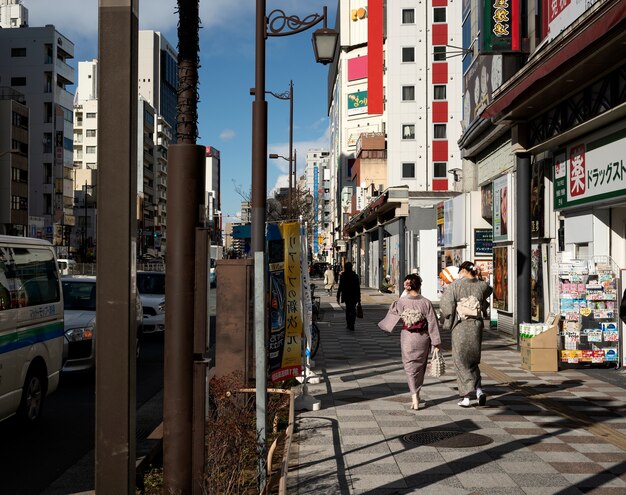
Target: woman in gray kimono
point(420, 331)
point(464, 303)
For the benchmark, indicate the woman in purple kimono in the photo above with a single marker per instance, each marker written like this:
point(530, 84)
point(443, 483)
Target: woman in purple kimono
point(420, 331)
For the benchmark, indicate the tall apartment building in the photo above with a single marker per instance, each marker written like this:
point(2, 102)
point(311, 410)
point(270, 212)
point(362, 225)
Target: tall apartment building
point(158, 75)
point(317, 172)
point(33, 61)
point(395, 105)
point(13, 14)
point(14, 146)
point(154, 136)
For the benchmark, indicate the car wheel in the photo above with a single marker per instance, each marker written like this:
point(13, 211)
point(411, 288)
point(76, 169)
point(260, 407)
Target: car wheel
point(33, 395)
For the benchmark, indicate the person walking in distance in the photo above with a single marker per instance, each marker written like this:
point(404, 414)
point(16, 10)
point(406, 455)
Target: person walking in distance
point(464, 304)
point(349, 293)
point(329, 280)
point(420, 332)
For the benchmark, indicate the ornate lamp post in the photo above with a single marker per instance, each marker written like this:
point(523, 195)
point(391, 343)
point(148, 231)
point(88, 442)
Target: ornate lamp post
point(276, 24)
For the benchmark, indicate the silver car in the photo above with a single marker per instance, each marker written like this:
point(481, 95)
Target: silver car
point(151, 288)
point(79, 303)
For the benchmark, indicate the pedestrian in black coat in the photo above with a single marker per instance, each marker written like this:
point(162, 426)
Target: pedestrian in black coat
point(349, 293)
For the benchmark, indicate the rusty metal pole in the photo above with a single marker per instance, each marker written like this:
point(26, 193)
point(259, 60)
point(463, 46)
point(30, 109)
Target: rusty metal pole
point(117, 225)
point(259, 200)
point(185, 197)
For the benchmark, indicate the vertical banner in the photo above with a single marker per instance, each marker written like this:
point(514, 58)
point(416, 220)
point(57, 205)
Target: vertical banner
point(537, 306)
point(501, 206)
point(486, 202)
point(285, 284)
point(439, 207)
point(501, 278)
point(537, 211)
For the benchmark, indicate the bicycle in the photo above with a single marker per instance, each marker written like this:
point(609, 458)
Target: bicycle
point(315, 331)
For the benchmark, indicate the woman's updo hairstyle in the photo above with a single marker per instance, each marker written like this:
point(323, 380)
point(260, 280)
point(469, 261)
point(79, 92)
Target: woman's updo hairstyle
point(415, 281)
point(469, 267)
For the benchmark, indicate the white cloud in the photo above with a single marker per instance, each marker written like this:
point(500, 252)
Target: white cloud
point(227, 134)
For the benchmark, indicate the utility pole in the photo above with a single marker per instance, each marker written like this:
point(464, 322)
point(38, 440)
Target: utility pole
point(185, 195)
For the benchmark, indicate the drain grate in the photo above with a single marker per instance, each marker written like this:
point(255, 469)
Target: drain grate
point(446, 438)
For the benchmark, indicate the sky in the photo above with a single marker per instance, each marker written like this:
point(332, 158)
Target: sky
point(227, 61)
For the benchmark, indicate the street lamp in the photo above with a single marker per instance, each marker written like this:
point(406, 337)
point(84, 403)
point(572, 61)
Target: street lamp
point(288, 96)
point(276, 24)
point(292, 174)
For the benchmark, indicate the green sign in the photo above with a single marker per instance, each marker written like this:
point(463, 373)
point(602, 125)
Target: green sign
point(357, 103)
point(590, 171)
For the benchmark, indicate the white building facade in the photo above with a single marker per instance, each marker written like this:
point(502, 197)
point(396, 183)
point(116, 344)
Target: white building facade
point(395, 109)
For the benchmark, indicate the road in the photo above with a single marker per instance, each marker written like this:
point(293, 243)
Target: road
point(31, 460)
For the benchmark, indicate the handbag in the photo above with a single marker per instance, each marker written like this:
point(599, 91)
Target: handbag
point(437, 366)
point(359, 310)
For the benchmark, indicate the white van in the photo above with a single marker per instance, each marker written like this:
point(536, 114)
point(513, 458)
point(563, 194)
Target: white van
point(66, 267)
point(31, 326)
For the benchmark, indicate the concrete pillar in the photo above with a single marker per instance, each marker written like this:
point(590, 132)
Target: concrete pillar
point(402, 250)
point(366, 263)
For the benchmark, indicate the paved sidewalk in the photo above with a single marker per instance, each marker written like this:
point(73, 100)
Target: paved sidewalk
point(548, 433)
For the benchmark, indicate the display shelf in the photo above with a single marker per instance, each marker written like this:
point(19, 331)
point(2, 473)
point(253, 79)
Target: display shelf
point(588, 294)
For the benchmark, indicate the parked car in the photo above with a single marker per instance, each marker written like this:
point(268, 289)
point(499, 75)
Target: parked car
point(79, 303)
point(151, 287)
point(213, 273)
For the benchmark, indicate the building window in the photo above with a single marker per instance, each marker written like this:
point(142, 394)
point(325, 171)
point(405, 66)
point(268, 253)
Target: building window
point(439, 170)
point(90, 133)
point(408, 131)
point(47, 142)
point(18, 52)
point(408, 170)
point(408, 16)
point(439, 53)
point(439, 91)
point(408, 93)
point(408, 54)
point(90, 115)
point(440, 131)
point(439, 14)
point(90, 150)
point(18, 81)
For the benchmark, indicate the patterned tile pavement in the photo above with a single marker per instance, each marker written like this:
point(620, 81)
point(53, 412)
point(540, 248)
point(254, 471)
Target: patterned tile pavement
point(549, 433)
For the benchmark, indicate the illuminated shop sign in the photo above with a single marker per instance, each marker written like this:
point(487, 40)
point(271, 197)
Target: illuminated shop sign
point(500, 30)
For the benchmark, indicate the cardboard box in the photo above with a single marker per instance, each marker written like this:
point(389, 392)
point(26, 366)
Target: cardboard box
point(545, 340)
point(536, 359)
